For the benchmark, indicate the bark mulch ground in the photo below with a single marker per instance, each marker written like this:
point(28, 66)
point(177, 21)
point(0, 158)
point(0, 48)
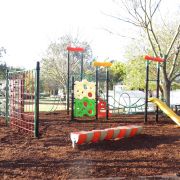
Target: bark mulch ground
point(154, 154)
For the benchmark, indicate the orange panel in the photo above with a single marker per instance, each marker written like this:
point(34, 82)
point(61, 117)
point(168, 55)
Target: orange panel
point(104, 64)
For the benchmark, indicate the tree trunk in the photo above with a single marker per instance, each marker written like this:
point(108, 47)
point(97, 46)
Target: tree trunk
point(166, 91)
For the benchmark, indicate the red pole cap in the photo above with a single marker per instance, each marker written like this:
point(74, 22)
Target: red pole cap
point(157, 59)
point(75, 49)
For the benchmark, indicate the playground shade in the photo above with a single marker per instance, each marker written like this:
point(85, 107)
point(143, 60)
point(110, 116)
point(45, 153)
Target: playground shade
point(166, 110)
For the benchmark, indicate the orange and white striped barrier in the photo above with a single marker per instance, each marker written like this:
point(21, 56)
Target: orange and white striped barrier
point(116, 133)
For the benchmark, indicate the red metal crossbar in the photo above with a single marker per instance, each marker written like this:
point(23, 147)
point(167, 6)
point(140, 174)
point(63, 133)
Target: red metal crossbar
point(75, 49)
point(157, 59)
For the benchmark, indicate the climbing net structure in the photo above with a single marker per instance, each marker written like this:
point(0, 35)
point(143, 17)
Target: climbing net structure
point(21, 100)
point(22, 104)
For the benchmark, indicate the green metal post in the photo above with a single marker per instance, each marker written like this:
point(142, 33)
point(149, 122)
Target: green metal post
point(68, 81)
point(107, 93)
point(36, 108)
point(157, 90)
point(82, 66)
point(7, 97)
point(147, 88)
point(72, 101)
point(97, 81)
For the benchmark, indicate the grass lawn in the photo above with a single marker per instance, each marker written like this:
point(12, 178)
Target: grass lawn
point(45, 107)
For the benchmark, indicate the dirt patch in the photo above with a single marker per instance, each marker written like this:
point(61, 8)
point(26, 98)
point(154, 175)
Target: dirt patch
point(155, 152)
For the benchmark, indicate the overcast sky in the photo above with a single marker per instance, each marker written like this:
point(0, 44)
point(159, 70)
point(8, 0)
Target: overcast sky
point(28, 26)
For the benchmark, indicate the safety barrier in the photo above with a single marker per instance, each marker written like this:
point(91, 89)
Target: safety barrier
point(115, 133)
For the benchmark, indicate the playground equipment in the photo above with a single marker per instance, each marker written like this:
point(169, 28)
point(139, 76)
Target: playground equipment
point(115, 133)
point(158, 60)
point(166, 110)
point(71, 50)
point(106, 65)
point(127, 102)
point(85, 97)
point(22, 100)
point(102, 108)
point(156, 100)
point(102, 100)
point(102, 104)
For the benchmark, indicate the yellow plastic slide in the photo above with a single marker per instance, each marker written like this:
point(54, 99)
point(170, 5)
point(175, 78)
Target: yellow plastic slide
point(166, 110)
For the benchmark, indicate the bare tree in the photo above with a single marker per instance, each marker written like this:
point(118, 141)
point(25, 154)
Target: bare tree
point(54, 63)
point(141, 13)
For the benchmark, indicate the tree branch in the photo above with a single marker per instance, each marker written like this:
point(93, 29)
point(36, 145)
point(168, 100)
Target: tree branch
point(150, 23)
point(136, 15)
point(125, 20)
point(173, 41)
point(152, 45)
point(174, 63)
point(177, 75)
point(155, 8)
point(109, 31)
point(155, 38)
point(146, 16)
